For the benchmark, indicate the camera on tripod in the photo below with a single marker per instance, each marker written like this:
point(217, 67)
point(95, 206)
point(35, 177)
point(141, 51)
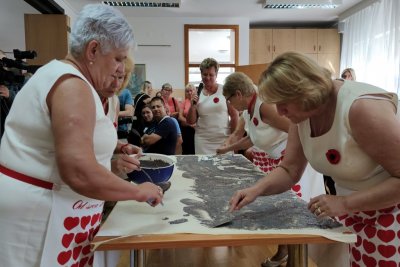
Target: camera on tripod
point(9, 77)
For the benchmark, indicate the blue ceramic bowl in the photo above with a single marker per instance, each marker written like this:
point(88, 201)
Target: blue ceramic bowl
point(153, 174)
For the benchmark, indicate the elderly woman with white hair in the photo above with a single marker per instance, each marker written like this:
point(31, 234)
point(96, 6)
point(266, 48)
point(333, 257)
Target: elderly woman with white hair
point(55, 155)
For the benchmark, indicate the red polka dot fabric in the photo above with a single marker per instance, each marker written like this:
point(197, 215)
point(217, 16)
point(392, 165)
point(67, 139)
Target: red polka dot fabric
point(267, 164)
point(378, 237)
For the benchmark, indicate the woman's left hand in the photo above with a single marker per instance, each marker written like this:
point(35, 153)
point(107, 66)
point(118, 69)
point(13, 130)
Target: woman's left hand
point(127, 160)
point(327, 205)
point(123, 163)
point(130, 149)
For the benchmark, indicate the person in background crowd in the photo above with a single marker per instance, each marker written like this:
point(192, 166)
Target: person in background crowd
point(125, 113)
point(8, 91)
point(149, 124)
point(267, 134)
point(172, 104)
point(141, 99)
point(214, 117)
point(349, 131)
point(164, 138)
point(111, 104)
point(348, 74)
point(65, 143)
point(187, 129)
point(147, 88)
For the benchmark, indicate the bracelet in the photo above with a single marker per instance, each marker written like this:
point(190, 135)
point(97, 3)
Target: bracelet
point(284, 168)
point(122, 148)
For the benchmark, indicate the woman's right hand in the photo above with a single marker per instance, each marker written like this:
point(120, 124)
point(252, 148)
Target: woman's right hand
point(221, 150)
point(242, 197)
point(195, 99)
point(150, 193)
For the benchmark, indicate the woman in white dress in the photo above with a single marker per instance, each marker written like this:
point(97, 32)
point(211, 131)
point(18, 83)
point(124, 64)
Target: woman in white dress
point(349, 131)
point(55, 155)
point(215, 119)
point(267, 134)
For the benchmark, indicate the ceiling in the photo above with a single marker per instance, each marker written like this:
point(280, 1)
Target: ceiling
point(250, 9)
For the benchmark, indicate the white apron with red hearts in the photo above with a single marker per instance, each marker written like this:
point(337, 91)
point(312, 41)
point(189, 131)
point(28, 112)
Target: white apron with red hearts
point(74, 221)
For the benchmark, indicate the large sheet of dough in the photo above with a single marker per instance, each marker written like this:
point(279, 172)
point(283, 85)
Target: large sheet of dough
point(133, 218)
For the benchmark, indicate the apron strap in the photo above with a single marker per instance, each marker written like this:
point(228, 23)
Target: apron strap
point(25, 178)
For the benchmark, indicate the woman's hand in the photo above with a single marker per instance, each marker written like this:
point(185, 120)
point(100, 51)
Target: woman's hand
point(194, 100)
point(150, 193)
point(130, 149)
point(242, 197)
point(328, 205)
point(123, 163)
point(222, 149)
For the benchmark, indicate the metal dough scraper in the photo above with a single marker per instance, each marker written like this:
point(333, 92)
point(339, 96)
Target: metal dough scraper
point(222, 221)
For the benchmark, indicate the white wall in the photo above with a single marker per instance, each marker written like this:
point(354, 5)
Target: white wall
point(12, 33)
point(163, 64)
point(166, 64)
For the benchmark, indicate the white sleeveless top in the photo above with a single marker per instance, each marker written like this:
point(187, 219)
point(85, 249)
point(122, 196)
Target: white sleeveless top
point(355, 169)
point(265, 137)
point(27, 145)
point(213, 114)
point(212, 126)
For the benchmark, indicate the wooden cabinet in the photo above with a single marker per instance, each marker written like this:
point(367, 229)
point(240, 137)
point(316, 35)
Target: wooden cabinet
point(328, 41)
point(283, 40)
point(260, 46)
point(307, 41)
point(47, 35)
point(323, 45)
point(266, 44)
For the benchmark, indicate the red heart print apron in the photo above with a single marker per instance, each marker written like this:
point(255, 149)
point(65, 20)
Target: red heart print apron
point(74, 221)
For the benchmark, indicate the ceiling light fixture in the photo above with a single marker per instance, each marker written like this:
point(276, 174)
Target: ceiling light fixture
point(301, 4)
point(145, 3)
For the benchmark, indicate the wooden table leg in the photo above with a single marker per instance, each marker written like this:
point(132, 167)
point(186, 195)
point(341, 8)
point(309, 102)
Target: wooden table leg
point(137, 258)
point(298, 255)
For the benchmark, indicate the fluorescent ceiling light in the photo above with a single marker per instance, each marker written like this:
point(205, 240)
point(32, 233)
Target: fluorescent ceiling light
point(288, 4)
point(144, 3)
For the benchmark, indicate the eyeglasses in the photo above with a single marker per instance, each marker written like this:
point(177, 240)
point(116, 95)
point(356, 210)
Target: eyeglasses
point(167, 89)
point(228, 99)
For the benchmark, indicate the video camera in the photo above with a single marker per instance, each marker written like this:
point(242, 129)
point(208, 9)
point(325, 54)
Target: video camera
point(7, 76)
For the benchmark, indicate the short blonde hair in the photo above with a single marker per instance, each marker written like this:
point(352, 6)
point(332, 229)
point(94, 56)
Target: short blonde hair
point(129, 66)
point(238, 81)
point(208, 63)
point(191, 86)
point(295, 77)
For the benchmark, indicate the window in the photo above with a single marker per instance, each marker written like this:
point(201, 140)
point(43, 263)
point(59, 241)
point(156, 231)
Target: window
point(217, 41)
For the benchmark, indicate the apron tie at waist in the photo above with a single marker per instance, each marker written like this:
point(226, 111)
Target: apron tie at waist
point(25, 178)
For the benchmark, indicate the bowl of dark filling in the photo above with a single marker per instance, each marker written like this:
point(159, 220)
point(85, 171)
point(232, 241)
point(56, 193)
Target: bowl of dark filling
point(155, 168)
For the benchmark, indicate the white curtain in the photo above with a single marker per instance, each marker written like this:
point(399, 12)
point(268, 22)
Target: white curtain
point(371, 45)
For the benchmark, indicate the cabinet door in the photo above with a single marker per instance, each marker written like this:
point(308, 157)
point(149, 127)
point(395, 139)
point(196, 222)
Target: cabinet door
point(283, 40)
point(260, 46)
point(306, 41)
point(47, 35)
point(331, 62)
point(328, 41)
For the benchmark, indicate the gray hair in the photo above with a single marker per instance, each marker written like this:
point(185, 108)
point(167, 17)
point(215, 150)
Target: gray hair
point(102, 23)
